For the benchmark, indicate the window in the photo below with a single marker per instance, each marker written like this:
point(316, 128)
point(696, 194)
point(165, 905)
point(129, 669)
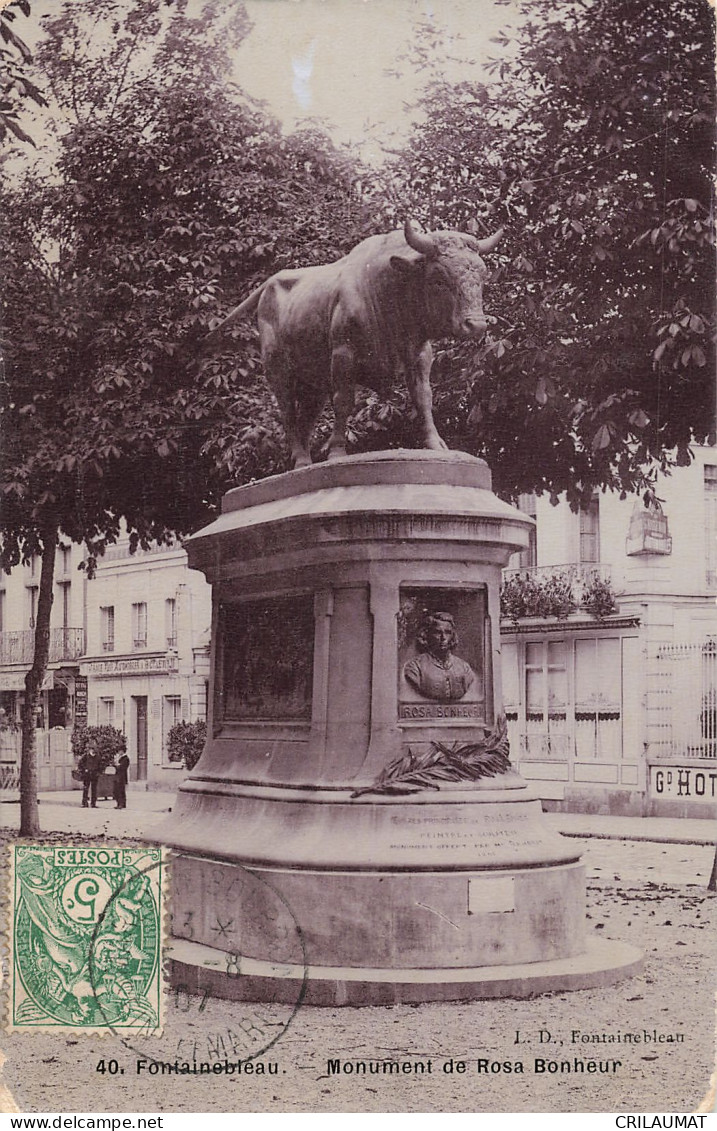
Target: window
point(107, 627)
point(170, 621)
point(564, 699)
point(139, 624)
point(32, 592)
point(64, 559)
point(711, 524)
point(546, 697)
point(598, 697)
point(589, 548)
point(529, 557)
point(63, 602)
point(171, 714)
point(63, 593)
point(106, 712)
point(545, 678)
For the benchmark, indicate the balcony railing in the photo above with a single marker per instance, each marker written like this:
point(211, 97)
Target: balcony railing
point(121, 550)
point(19, 647)
point(556, 591)
point(578, 573)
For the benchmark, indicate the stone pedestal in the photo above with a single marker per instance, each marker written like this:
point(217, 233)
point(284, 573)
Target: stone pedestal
point(353, 831)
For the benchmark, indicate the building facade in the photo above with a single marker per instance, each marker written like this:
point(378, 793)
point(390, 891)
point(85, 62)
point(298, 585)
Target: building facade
point(609, 650)
point(147, 657)
point(129, 649)
point(609, 653)
point(18, 607)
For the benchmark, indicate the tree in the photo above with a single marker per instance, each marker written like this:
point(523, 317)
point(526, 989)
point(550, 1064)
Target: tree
point(166, 202)
point(594, 146)
point(107, 742)
point(185, 742)
point(16, 86)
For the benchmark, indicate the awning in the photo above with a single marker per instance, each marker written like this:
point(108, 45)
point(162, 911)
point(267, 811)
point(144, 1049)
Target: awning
point(15, 681)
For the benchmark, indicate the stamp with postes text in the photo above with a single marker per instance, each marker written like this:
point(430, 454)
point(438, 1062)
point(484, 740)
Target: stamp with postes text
point(86, 927)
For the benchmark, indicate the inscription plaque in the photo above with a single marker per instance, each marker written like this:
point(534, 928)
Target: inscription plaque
point(491, 895)
point(442, 834)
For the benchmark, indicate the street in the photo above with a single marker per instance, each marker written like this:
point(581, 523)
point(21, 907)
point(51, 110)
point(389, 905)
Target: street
point(480, 1056)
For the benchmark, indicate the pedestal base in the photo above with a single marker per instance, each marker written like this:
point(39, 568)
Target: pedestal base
point(451, 895)
point(381, 919)
point(353, 832)
point(199, 969)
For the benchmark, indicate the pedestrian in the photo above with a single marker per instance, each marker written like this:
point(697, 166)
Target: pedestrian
point(120, 782)
point(90, 766)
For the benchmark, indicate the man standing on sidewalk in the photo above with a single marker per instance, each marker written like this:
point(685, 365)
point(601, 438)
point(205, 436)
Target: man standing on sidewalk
point(90, 767)
point(120, 782)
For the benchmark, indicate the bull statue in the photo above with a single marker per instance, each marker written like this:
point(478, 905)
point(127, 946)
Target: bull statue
point(365, 319)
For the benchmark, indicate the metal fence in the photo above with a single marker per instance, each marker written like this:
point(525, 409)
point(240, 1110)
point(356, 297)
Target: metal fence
point(55, 760)
point(19, 647)
point(686, 708)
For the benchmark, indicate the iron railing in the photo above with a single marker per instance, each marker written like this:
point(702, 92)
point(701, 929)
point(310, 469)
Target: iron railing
point(685, 703)
point(19, 647)
point(579, 574)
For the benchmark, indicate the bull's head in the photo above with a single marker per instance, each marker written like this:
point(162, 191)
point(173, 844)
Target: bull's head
point(453, 278)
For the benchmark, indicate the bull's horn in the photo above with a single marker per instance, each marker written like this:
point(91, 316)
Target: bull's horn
point(490, 241)
point(420, 241)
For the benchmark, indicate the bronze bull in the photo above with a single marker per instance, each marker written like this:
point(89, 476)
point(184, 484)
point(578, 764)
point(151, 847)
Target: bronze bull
point(365, 319)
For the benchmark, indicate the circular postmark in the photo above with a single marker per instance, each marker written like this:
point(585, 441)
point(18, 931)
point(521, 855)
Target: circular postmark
point(221, 1019)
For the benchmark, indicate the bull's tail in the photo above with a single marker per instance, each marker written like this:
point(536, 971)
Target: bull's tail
point(245, 308)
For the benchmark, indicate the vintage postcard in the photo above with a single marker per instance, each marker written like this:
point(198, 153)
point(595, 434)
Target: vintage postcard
point(358, 622)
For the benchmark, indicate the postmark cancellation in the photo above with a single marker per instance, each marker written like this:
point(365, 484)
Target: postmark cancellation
point(86, 928)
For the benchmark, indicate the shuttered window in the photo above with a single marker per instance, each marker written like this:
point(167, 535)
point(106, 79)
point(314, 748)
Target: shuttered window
point(711, 524)
point(589, 517)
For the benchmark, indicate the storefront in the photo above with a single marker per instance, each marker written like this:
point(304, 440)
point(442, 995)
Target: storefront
point(53, 719)
point(572, 693)
point(144, 696)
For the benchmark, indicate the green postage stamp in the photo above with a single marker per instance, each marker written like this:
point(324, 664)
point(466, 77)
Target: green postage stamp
point(86, 933)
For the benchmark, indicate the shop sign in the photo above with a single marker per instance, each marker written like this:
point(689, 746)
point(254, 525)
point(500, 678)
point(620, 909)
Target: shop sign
point(141, 665)
point(689, 783)
point(649, 533)
point(81, 700)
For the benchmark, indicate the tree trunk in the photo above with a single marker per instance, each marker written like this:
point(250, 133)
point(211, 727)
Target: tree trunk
point(29, 813)
point(712, 881)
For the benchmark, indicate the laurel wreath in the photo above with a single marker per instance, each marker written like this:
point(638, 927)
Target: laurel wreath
point(462, 761)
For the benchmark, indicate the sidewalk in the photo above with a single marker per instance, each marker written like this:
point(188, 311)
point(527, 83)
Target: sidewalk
point(661, 830)
point(63, 812)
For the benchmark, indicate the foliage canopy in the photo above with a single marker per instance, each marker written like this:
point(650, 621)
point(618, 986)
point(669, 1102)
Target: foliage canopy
point(165, 196)
point(594, 146)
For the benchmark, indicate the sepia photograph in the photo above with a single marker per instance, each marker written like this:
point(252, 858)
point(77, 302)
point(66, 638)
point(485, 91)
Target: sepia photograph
point(358, 532)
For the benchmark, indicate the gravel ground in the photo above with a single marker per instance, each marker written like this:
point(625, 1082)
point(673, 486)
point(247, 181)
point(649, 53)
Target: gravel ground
point(649, 894)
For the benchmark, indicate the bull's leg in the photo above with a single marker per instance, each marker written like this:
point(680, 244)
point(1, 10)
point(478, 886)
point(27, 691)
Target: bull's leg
point(300, 454)
point(307, 412)
point(283, 385)
point(342, 382)
point(297, 437)
point(419, 384)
